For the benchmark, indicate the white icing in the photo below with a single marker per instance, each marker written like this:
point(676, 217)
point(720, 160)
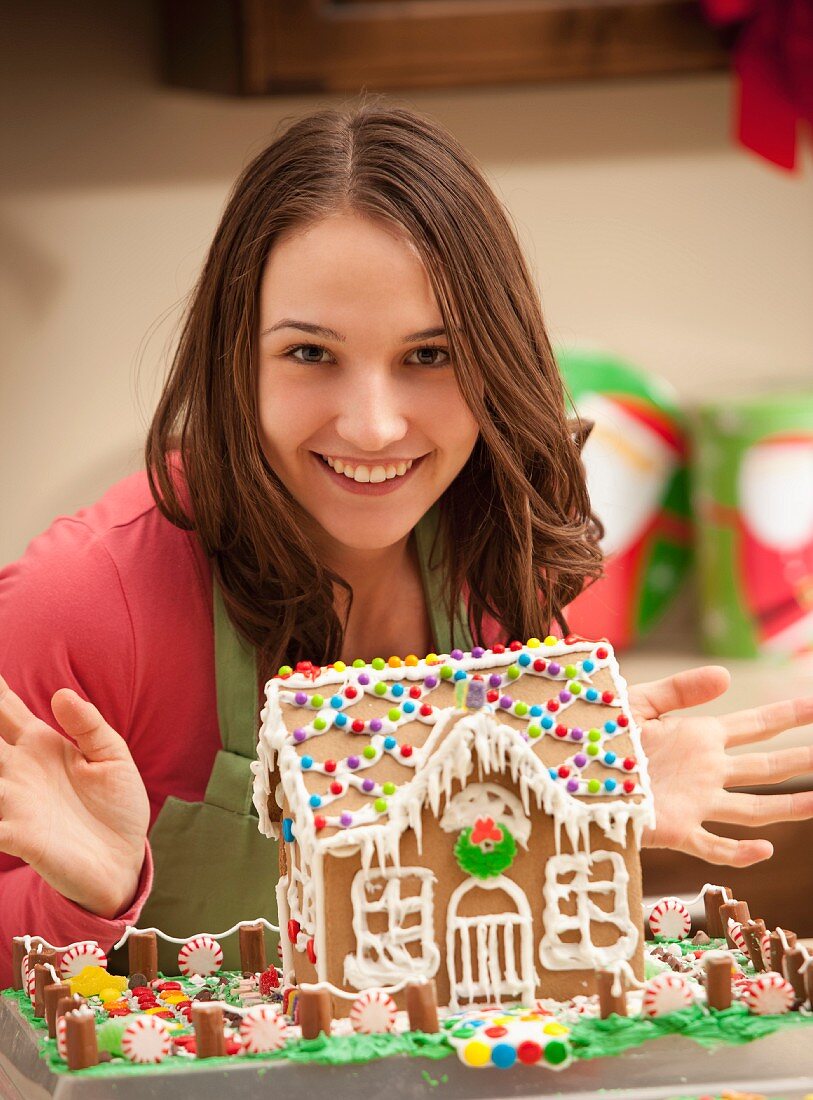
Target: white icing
point(132, 930)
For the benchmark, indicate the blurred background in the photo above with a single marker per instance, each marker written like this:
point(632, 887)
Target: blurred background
point(665, 206)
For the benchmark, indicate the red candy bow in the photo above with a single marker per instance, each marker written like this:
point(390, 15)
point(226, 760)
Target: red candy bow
point(485, 829)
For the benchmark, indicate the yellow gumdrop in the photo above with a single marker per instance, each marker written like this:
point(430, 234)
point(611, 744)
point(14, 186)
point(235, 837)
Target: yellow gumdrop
point(476, 1053)
point(555, 1028)
point(91, 980)
point(108, 995)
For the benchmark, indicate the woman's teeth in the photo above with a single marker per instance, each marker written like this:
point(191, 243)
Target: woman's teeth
point(365, 474)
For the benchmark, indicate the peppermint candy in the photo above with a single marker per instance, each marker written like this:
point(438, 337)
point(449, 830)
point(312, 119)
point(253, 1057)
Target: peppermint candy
point(666, 993)
point(769, 994)
point(734, 929)
point(765, 944)
point(201, 955)
point(263, 1028)
point(62, 1038)
point(79, 955)
point(670, 918)
point(146, 1040)
point(29, 984)
point(373, 1011)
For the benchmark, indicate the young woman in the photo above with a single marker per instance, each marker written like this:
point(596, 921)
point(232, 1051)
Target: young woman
point(361, 450)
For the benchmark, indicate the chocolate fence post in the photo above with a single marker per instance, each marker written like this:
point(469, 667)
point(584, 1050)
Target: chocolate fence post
point(80, 1039)
point(807, 974)
point(315, 1012)
point(252, 949)
point(733, 910)
point(210, 1036)
point(422, 1006)
point(752, 932)
point(718, 980)
point(18, 953)
point(67, 1004)
point(778, 947)
point(611, 993)
point(52, 994)
point(713, 898)
point(43, 975)
point(142, 954)
point(792, 963)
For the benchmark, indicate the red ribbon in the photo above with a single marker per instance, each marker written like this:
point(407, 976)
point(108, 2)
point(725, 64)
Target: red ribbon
point(485, 829)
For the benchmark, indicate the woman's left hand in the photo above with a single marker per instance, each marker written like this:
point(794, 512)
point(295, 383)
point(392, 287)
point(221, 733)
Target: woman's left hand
point(690, 770)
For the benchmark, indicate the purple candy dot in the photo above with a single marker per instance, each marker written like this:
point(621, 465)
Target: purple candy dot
point(346, 819)
point(495, 680)
point(524, 736)
point(576, 734)
point(300, 698)
point(456, 654)
point(565, 696)
point(368, 785)
point(579, 759)
point(573, 785)
point(506, 702)
point(375, 725)
point(430, 682)
point(478, 651)
point(554, 669)
point(299, 735)
point(353, 761)
point(364, 679)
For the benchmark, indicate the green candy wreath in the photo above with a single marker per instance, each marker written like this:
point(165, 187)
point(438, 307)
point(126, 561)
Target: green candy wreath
point(485, 858)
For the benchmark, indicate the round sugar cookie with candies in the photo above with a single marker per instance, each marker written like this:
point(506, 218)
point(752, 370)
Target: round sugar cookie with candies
point(146, 1040)
point(263, 1028)
point(202, 955)
point(769, 994)
point(670, 918)
point(79, 955)
point(666, 993)
point(373, 1011)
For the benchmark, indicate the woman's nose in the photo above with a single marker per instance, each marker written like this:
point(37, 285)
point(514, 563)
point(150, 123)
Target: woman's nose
point(373, 413)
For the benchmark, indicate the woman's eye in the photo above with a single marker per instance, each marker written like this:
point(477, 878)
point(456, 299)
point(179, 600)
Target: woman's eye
point(308, 348)
point(426, 356)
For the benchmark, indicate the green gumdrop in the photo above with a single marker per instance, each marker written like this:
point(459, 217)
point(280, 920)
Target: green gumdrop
point(108, 1036)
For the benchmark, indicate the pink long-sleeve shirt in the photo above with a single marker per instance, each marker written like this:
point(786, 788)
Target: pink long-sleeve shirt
point(114, 602)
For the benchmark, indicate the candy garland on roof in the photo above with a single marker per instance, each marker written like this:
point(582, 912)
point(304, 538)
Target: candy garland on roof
point(381, 680)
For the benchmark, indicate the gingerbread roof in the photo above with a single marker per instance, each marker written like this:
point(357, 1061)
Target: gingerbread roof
point(359, 750)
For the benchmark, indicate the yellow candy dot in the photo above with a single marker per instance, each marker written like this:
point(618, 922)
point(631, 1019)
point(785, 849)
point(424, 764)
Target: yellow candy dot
point(411, 660)
point(172, 998)
point(106, 995)
point(394, 662)
point(340, 666)
point(533, 643)
point(432, 658)
point(555, 1028)
point(550, 640)
point(500, 1021)
point(152, 1011)
point(477, 1053)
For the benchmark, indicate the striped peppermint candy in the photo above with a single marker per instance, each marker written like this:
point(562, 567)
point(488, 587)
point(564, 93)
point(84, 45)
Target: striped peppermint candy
point(263, 1028)
point(62, 1038)
point(769, 994)
point(79, 955)
point(734, 929)
point(146, 1039)
point(373, 1011)
point(765, 944)
point(670, 918)
point(666, 993)
point(201, 955)
point(29, 984)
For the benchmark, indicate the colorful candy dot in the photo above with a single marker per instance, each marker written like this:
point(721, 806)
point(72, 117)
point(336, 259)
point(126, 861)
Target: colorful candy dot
point(556, 1052)
point(380, 805)
point(389, 788)
point(306, 762)
point(380, 688)
point(477, 652)
point(299, 734)
point(456, 654)
point(477, 1053)
point(319, 723)
point(610, 784)
point(459, 675)
point(610, 727)
point(376, 725)
point(368, 752)
point(300, 698)
point(430, 682)
point(285, 670)
point(358, 663)
point(317, 701)
point(571, 671)
point(378, 663)
point(593, 786)
point(341, 720)
point(609, 758)
point(524, 660)
point(594, 735)
point(410, 660)
point(533, 643)
point(397, 690)
point(340, 666)
point(394, 662)
point(353, 762)
point(315, 801)
point(364, 679)
point(512, 672)
point(534, 731)
point(390, 743)
point(446, 672)
point(368, 785)
point(550, 640)
point(593, 750)
point(336, 702)
point(547, 722)
point(521, 709)
point(346, 819)
point(587, 666)
point(408, 707)
point(503, 1055)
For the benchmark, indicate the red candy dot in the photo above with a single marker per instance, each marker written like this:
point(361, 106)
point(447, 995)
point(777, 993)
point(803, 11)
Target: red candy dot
point(310, 948)
point(561, 731)
point(629, 764)
point(629, 786)
point(350, 692)
point(607, 696)
point(293, 930)
point(563, 772)
point(492, 695)
point(514, 646)
point(336, 788)
point(358, 726)
point(406, 750)
point(498, 648)
point(552, 704)
point(495, 1032)
point(415, 692)
point(601, 653)
point(330, 765)
point(426, 710)
point(529, 1052)
point(540, 665)
point(304, 666)
point(319, 822)
point(622, 720)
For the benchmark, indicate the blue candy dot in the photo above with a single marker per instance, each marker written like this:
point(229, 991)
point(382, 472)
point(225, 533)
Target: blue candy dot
point(524, 660)
point(547, 722)
point(397, 690)
point(390, 742)
point(306, 762)
point(610, 784)
point(503, 1056)
point(588, 666)
point(591, 694)
point(336, 702)
point(609, 758)
point(408, 707)
point(610, 727)
point(535, 711)
point(315, 801)
point(341, 720)
point(552, 772)
point(460, 675)
point(288, 830)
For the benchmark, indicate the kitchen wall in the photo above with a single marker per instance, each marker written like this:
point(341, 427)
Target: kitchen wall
point(650, 232)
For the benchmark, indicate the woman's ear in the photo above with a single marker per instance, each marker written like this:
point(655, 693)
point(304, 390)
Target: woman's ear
point(580, 430)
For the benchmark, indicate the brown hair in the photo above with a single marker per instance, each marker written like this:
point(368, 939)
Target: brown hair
point(525, 541)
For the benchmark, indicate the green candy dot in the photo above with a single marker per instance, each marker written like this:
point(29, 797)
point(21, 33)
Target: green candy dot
point(574, 688)
point(316, 700)
point(380, 688)
point(368, 752)
point(319, 723)
point(520, 709)
point(394, 715)
point(534, 731)
point(594, 735)
point(285, 670)
point(378, 663)
point(358, 663)
point(593, 750)
point(571, 671)
point(555, 1052)
point(593, 786)
point(512, 672)
point(380, 805)
point(464, 1032)
point(389, 788)
point(446, 672)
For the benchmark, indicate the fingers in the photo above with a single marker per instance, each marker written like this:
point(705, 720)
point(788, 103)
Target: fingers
point(684, 689)
point(769, 767)
point(725, 850)
point(14, 714)
point(744, 727)
point(82, 721)
point(763, 809)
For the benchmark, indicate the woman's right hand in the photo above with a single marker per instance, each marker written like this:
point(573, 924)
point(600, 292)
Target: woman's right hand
point(76, 811)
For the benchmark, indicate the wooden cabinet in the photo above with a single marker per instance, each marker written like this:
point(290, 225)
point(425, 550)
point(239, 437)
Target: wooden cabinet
point(262, 47)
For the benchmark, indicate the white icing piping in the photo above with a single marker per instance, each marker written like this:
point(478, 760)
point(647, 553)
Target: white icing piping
point(692, 901)
point(132, 930)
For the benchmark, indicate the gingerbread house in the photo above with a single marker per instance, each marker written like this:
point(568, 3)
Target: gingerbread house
point(473, 818)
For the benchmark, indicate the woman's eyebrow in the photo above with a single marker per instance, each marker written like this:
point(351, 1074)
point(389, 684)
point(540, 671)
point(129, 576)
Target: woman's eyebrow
point(331, 334)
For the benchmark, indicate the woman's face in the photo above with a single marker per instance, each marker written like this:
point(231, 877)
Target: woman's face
point(360, 415)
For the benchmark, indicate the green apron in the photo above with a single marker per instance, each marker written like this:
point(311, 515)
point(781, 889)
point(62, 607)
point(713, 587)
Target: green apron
point(213, 867)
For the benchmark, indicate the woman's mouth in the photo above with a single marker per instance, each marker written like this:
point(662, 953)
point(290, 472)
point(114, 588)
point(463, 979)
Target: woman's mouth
point(369, 478)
